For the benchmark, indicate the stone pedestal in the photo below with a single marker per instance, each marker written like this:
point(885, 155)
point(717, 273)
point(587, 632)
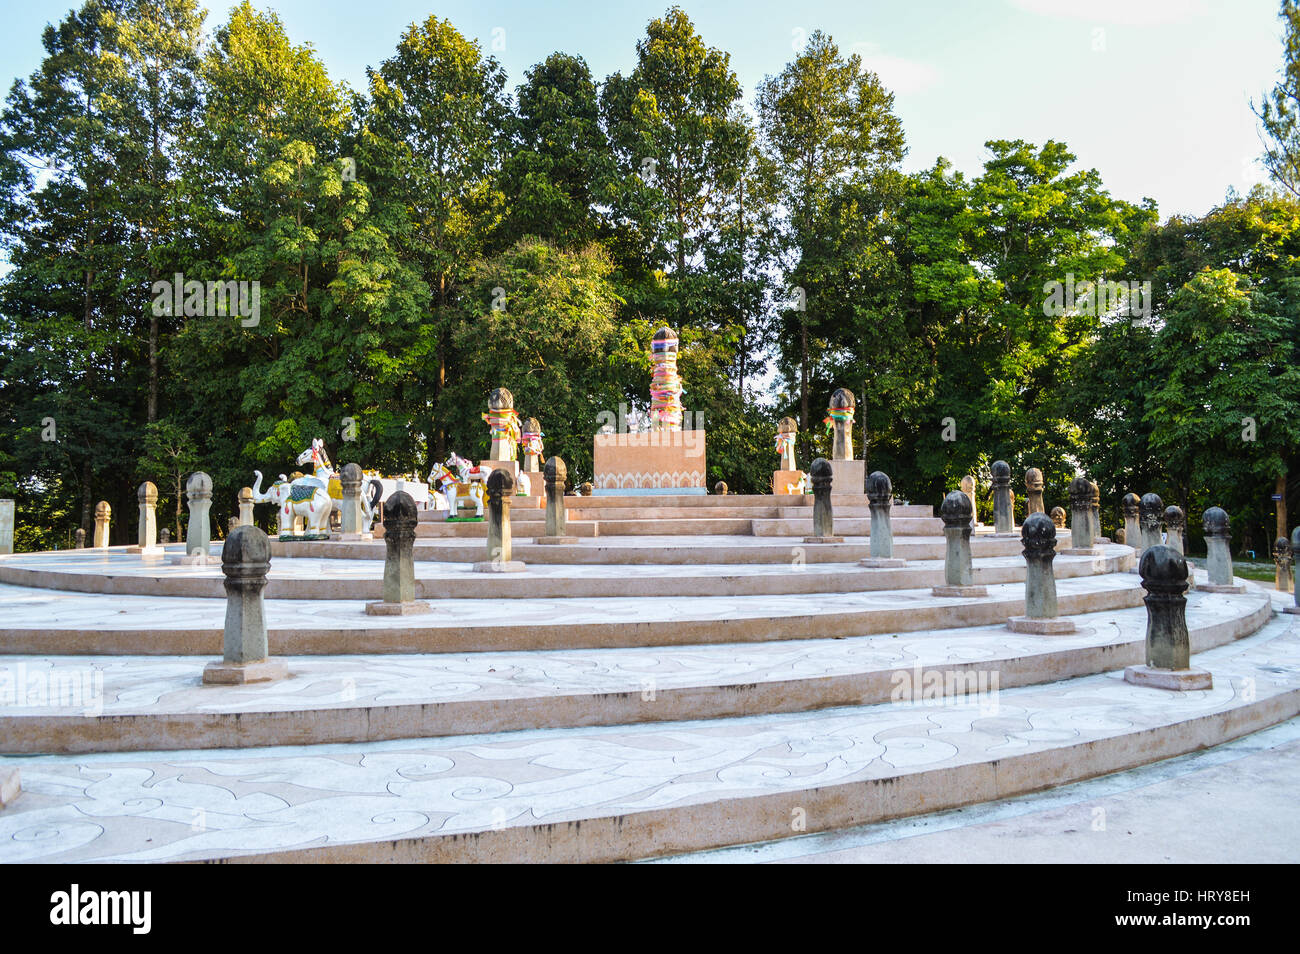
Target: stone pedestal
point(849, 476)
point(839, 418)
point(500, 490)
point(1168, 648)
point(880, 494)
point(400, 518)
point(1295, 548)
point(1081, 515)
point(786, 481)
point(649, 463)
point(6, 526)
point(81, 538)
point(1132, 529)
point(10, 786)
point(787, 430)
point(245, 561)
point(957, 572)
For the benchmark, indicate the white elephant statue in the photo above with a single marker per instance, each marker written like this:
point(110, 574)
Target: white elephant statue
point(306, 497)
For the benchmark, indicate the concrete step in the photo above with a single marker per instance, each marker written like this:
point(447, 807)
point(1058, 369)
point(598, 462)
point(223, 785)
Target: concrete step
point(636, 791)
point(354, 699)
point(167, 626)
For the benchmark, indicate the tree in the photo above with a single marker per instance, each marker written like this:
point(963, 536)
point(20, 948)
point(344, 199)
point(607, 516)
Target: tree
point(829, 125)
point(1279, 111)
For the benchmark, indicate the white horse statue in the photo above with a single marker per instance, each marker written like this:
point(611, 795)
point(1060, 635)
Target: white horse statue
point(306, 497)
point(459, 481)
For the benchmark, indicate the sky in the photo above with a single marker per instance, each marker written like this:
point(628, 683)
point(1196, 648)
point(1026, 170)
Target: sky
point(1153, 94)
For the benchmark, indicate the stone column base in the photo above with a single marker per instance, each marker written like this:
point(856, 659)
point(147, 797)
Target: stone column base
point(196, 559)
point(823, 539)
point(848, 476)
point(555, 539)
point(222, 673)
point(354, 537)
point(882, 562)
point(10, 786)
point(1221, 587)
point(1080, 551)
point(413, 608)
point(781, 479)
point(499, 566)
point(959, 591)
point(1041, 627)
point(147, 552)
point(1176, 679)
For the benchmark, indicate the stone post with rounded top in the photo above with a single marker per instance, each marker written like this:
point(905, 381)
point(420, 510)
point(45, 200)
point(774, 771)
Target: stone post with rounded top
point(147, 522)
point(1038, 534)
point(968, 488)
point(1218, 553)
point(822, 476)
point(103, 519)
point(957, 571)
point(1151, 509)
point(500, 491)
point(352, 514)
point(1168, 648)
point(1034, 491)
point(400, 518)
point(1058, 517)
point(245, 561)
point(1003, 517)
point(245, 500)
point(1132, 528)
point(1175, 526)
point(198, 531)
point(1295, 548)
point(880, 495)
point(81, 537)
point(1094, 509)
point(1283, 558)
point(557, 528)
point(1081, 542)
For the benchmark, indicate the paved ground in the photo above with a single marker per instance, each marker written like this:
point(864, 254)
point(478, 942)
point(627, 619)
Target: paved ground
point(1232, 803)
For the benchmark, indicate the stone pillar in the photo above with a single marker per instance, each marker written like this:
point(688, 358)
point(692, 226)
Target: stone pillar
point(1283, 557)
point(557, 530)
point(81, 537)
point(147, 522)
point(968, 488)
point(1094, 508)
point(822, 476)
point(1218, 553)
point(1034, 491)
point(957, 573)
point(1150, 509)
point(232, 523)
point(6, 526)
point(585, 489)
point(839, 421)
point(1058, 517)
point(164, 536)
point(1295, 548)
point(533, 448)
point(1175, 525)
point(787, 430)
point(1038, 534)
point(720, 488)
point(103, 518)
point(503, 423)
point(198, 533)
point(1081, 543)
point(245, 561)
point(400, 519)
point(245, 506)
point(1168, 650)
point(1003, 518)
point(500, 490)
point(880, 494)
point(352, 517)
point(1132, 529)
